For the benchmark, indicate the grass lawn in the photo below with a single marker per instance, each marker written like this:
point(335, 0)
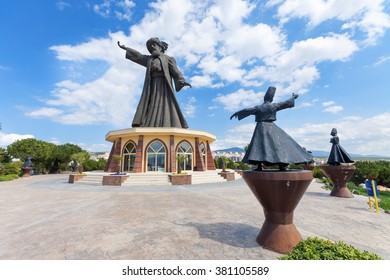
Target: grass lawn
point(384, 198)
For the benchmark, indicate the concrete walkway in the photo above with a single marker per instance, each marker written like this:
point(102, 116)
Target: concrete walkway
point(43, 217)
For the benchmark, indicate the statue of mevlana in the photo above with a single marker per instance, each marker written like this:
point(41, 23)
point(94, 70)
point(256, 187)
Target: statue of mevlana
point(158, 106)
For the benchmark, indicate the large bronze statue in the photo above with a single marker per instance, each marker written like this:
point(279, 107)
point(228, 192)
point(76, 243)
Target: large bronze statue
point(337, 154)
point(270, 144)
point(158, 106)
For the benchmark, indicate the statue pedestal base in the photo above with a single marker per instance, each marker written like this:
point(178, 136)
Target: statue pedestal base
point(339, 175)
point(26, 171)
point(279, 192)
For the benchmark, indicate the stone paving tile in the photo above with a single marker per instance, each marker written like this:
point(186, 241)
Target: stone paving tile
point(44, 217)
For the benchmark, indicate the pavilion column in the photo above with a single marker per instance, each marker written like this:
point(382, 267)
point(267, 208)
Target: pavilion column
point(116, 150)
point(139, 155)
point(199, 163)
point(172, 155)
point(209, 158)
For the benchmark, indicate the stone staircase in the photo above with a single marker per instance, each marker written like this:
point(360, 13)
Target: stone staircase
point(206, 177)
point(91, 178)
point(147, 179)
point(155, 178)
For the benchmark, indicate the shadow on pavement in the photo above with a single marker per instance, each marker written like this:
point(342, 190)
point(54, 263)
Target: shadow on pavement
point(233, 234)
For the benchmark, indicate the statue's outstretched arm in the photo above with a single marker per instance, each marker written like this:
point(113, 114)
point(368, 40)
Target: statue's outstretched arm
point(122, 46)
point(235, 115)
point(244, 113)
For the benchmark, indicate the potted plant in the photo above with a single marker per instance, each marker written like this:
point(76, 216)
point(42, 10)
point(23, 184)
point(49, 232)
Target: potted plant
point(116, 179)
point(78, 158)
point(223, 162)
point(180, 178)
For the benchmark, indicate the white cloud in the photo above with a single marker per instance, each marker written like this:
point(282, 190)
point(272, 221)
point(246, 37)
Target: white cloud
point(54, 140)
point(381, 60)
point(327, 103)
point(45, 112)
point(7, 139)
point(238, 136)
point(333, 109)
point(61, 5)
point(367, 15)
point(357, 135)
point(190, 108)
point(103, 9)
point(122, 10)
point(295, 68)
point(240, 99)
point(102, 147)
point(201, 81)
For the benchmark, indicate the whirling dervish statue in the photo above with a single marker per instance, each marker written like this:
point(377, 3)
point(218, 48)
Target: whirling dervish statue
point(270, 144)
point(337, 154)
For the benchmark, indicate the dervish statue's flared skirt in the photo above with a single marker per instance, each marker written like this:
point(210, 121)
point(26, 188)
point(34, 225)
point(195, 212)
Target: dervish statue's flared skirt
point(271, 145)
point(338, 155)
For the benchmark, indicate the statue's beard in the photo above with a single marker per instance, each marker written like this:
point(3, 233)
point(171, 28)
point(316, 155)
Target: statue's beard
point(155, 53)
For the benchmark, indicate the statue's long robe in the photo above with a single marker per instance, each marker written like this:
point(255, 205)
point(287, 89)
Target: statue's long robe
point(158, 106)
point(270, 144)
point(337, 153)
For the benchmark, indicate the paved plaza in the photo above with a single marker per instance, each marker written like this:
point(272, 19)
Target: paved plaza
point(43, 217)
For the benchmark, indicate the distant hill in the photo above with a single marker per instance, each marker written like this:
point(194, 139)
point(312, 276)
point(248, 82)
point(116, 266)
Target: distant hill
point(231, 150)
point(315, 153)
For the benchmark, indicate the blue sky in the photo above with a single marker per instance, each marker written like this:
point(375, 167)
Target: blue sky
point(63, 79)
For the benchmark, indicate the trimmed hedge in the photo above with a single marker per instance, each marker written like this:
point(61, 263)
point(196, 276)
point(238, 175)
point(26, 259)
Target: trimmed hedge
point(314, 248)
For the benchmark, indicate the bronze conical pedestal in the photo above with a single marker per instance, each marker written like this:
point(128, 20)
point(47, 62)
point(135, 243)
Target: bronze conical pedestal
point(279, 192)
point(339, 175)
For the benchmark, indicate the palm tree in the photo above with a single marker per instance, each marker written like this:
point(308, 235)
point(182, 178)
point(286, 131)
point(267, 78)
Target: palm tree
point(119, 161)
point(180, 160)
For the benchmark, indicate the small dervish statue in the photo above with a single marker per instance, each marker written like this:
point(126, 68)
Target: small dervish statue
point(337, 154)
point(158, 106)
point(270, 145)
point(28, 162)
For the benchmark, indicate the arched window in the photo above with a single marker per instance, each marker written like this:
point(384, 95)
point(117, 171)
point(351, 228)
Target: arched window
point(203, 151)
point(185, 150)
point(156, 154)
point(129, 157)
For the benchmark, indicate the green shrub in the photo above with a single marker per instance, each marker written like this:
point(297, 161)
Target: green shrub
point(372, 170)
point(317, 173)
point(12, 168)
point(8, 177)
point(314, 248)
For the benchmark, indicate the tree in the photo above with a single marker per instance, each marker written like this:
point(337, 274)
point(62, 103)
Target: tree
point(43, 154)
point(21, 149)
point(4, 156)
point(63, 153)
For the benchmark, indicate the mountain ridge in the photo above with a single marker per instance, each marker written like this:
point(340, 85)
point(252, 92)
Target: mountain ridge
point(315, 153)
